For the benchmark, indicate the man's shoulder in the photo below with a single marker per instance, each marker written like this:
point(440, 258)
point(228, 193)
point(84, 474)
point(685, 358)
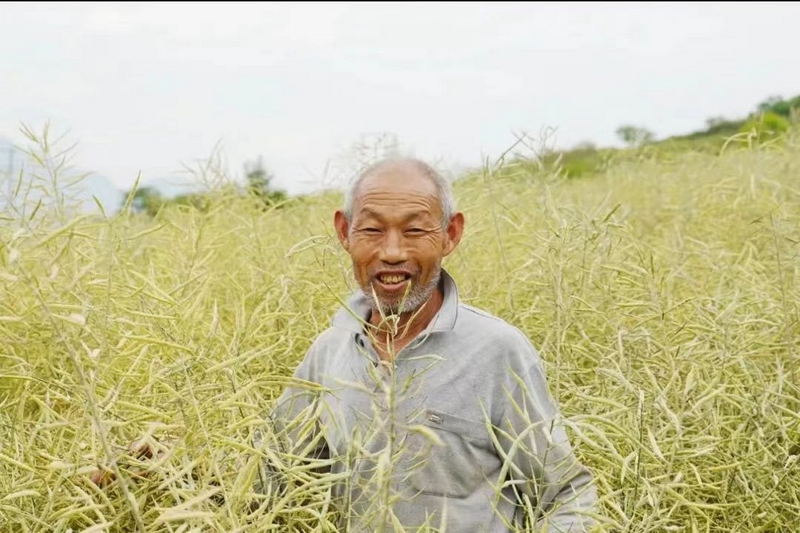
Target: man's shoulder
point(323, 353)
point(331, 337)
point(480, 322)
point(482, 315)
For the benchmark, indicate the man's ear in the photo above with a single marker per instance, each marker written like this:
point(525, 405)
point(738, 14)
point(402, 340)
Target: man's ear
point(454, 232)
point(342, 229)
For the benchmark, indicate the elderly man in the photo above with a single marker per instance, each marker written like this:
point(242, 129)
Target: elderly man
point(433, 413)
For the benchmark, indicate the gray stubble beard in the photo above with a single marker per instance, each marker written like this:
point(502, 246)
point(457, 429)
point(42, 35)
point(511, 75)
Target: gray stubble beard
point(415, 298)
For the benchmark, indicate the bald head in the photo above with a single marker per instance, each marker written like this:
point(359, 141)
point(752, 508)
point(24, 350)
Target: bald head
point(402, 169)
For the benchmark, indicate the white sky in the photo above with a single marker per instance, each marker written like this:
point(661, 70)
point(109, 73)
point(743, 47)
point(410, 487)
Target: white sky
point(147, 87)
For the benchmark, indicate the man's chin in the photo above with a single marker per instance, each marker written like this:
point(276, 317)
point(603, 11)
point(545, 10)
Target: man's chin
point(393, 308)
point(390, 307)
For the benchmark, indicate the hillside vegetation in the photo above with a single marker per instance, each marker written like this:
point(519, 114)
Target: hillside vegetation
point(663, 296)
point(767, 122)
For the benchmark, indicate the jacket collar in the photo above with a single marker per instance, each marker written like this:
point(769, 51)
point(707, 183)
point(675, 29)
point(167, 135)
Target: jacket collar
point(356, 311)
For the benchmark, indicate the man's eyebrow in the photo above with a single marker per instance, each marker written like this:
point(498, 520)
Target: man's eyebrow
point(416, 215)
point(420, 213)
point(367, 212)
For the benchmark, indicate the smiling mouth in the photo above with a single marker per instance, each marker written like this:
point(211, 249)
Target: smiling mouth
point(393, 280)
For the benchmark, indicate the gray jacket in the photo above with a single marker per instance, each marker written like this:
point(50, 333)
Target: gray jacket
point(459, 431)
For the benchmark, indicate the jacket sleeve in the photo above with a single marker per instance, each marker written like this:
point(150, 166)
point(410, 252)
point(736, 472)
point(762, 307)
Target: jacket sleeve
point(535, 448)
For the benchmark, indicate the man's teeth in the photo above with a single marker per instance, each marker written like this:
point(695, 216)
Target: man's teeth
point(391, 280)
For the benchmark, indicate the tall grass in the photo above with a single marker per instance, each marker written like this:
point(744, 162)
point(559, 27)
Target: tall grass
point(662, 295)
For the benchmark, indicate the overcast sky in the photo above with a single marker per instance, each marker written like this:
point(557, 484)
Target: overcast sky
point(148, 87)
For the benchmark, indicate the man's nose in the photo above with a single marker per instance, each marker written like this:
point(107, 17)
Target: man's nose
point(392, 249)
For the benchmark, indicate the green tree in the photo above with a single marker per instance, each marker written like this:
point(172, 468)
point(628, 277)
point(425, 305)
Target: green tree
point(766, 126)
point(771, 104)
point(146, 200)
point(259, 184)
point(198, 201)
point(779, 106)
point(635, 135)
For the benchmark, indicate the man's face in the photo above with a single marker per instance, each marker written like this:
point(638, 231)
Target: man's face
point(396, 239)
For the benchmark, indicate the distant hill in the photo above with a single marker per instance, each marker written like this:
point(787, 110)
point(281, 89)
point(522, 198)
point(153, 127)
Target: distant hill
point(36, 185)
point(769, 119)
point(80, 193)
point(775, 114)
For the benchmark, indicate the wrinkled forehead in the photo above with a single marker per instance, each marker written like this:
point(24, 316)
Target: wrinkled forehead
point(399, 181)
point(398, 185)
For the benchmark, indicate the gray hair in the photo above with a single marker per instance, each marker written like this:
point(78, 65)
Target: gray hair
point(443, 189)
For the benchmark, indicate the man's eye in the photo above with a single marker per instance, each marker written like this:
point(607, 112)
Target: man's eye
point(371, 230)
point(416, 231)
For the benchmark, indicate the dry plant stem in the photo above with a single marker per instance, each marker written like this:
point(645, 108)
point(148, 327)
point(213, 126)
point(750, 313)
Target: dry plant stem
point(662, 294)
